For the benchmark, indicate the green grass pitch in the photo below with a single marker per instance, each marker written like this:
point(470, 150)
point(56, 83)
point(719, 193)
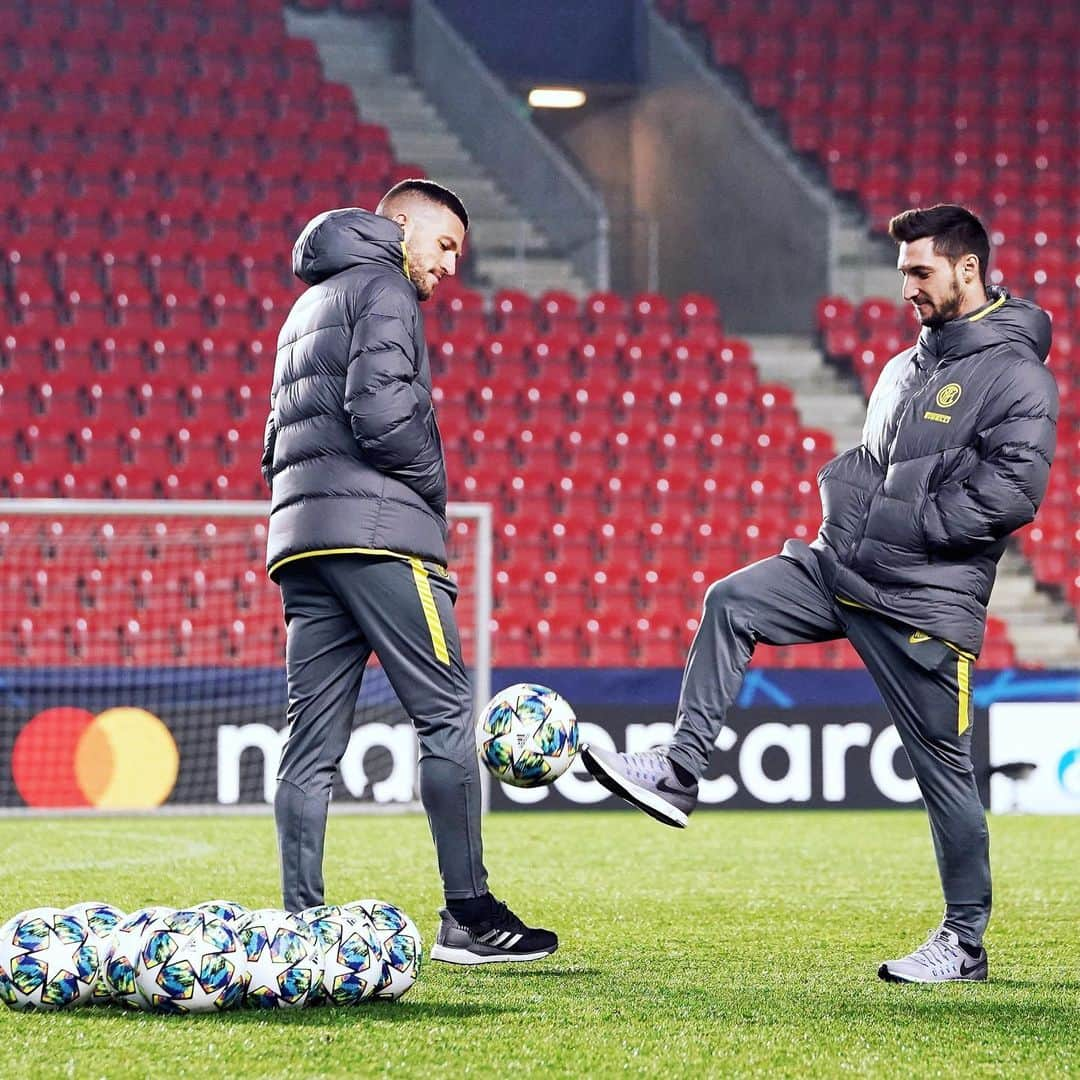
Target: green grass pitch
point(744, 946)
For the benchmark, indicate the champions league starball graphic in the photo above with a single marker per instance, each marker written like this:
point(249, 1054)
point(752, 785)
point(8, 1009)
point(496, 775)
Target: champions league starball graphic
point(1068, 772)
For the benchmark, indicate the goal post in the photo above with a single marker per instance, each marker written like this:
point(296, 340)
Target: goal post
point(142, 659)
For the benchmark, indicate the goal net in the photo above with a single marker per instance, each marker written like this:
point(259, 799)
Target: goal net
point(142, 658)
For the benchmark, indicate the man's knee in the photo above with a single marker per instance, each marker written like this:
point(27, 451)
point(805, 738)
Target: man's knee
point(303, 783)
point(443, 717)
point(727, 599)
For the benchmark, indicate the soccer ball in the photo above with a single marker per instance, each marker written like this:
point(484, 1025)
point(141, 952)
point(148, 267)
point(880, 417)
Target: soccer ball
point(527, 735)
point(191, 962)
point(101, 919)
point(402, 946)
point(46, 960)
point(228, 910)
point(352, 959)
point(122, 952)
point(285, 962)
point(319, 911)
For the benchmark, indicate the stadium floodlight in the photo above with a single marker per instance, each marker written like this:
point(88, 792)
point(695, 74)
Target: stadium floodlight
point(556, 97)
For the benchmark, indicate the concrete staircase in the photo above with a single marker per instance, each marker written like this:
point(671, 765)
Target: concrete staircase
point(370, 55)
point(823, 398)
point(1041, 628)
point(860, 265)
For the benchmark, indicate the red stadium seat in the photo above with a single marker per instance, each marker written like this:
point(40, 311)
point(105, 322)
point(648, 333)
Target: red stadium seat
point(600, 349)
point(149, 308)
point(458, 302)
point(559, 643)
point(694, 309)
point(874, 314)
point(605, 310)
point(650, 310)
point(505, 351)
point(558, 309)
point(513, 308)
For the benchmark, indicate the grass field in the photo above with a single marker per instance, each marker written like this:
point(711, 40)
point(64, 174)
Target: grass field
point(745, 946)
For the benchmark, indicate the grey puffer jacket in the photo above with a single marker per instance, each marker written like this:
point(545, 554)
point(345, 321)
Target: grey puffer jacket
point(352, 451)
point(955, 455)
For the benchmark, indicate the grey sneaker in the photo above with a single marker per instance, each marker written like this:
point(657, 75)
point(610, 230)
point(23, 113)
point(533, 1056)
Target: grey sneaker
point(647, 780)
point(941, 959)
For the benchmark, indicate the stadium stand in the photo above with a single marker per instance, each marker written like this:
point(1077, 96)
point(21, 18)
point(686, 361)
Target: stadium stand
point(1004, 142)
point(155, 172)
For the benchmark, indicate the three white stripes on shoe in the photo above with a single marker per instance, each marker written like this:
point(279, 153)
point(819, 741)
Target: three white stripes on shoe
point(503, 939)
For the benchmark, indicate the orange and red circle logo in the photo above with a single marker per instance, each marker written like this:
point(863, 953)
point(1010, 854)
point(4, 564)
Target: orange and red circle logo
point(120, 759)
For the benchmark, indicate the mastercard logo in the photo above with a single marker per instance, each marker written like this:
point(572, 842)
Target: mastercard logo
point(120, 759)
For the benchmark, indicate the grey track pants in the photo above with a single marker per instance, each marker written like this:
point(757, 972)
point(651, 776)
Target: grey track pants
point(925, 684)
point(338, 610)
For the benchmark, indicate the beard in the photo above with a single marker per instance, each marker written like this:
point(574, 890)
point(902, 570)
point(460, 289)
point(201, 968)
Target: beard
point(422, 284)
point(420, 278)
point(945, 311)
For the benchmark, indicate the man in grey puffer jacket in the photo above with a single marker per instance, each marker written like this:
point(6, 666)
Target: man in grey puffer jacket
point(955, 456)
point(357, 543)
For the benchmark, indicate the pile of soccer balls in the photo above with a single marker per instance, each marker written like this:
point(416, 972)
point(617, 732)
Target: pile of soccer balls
point(217, 954)
point(213, 956)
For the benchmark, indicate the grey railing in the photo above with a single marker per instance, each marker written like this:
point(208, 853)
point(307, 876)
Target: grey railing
point(495, 128)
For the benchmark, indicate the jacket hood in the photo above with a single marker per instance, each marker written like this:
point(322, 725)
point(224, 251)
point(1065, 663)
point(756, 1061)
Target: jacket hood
point(1002, 321)
point(338, 240)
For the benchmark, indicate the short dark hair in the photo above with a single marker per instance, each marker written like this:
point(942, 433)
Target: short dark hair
point(957, 232)
point(428, 189)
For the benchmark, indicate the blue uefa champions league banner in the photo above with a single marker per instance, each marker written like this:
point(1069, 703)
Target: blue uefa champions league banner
point(139, 738)
point(800, 738)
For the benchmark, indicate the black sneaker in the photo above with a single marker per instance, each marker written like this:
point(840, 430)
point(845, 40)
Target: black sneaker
point(501, 938)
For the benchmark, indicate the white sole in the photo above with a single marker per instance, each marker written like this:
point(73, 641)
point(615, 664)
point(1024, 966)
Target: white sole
point(910, 980)
point(465, 958)
point(668, 812)
point(893, 977)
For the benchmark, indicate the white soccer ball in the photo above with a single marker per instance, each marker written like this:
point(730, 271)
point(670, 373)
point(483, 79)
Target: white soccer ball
point(401, 944)
point(229, 910)
point(527, 735)
point(191, 962)
point(46, 960)
point(122, 953)
point(319, 911)
point(285, 961)
point(101, 920)
point(352, 959)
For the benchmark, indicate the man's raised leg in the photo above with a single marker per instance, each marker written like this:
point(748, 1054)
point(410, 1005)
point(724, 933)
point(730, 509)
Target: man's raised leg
point(780, 601)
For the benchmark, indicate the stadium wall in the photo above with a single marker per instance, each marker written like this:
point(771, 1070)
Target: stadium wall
point(600, 139)
point(736, 218)
point(701, 196)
